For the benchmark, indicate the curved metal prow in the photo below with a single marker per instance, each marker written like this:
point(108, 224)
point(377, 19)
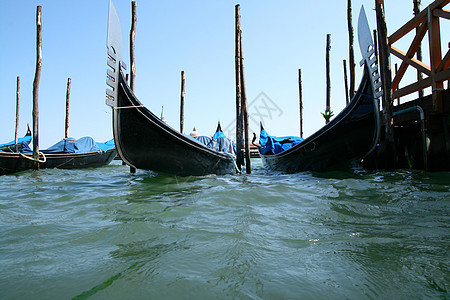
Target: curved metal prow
point(368, 53)
point(114, 46)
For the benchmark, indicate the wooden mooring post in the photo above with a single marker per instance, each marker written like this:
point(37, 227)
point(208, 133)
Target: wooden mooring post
point(16, 131)
point(244, 113)
point(182, 102)
point(300, 99)
point(346, 82)
point(132, 60)
point(416, 9)
point(66, 134)
point(351, 48)
point(239, 119)
point(37, 77)
point(387, 146)
point(327, 114)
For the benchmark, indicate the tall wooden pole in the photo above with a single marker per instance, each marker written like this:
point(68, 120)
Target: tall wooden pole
point(132, 37)
point(182, 102)
point(328, 100)
point(66, 135)
point(351, 48)
point(387, 146)
point(16, 132)
point(244, 108)
point(37, 77)
point(300, 97)
point(132, 64)
point(346, 82)
point(239, 121)
point(416, 4)
point(396, 71)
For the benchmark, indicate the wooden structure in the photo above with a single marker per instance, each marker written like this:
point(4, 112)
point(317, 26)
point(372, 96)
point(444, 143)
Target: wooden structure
point(416, 133)
point(426, 21)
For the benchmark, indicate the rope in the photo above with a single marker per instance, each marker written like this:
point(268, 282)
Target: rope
point(234, 162)
point(372, 97)
point(33, 159)
point(131, 106)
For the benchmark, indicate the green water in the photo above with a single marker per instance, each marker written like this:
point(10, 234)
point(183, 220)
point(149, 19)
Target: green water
point(107, 234)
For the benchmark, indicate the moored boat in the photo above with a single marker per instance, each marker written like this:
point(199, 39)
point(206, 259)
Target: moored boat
point(142, 139)
point(350, 136)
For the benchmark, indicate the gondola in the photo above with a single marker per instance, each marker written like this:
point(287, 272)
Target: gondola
point(142, 139)
point(12, 162)
point(13, 147)
point(350, 136)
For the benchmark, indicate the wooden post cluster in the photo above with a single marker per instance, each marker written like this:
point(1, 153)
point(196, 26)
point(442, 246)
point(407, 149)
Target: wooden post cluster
point(242, 127)
point(328, 76)
point(300, 96)
point(66, 135)
point(17, 114)
point(37, 77)
point(182, 102)
point(132, 63)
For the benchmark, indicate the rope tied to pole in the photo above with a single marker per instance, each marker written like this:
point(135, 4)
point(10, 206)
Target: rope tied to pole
point(33, 159)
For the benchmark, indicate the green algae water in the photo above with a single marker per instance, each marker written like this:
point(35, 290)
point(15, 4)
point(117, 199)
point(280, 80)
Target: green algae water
point(107, 234)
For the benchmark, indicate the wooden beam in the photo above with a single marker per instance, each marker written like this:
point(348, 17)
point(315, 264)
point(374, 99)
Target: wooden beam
point(417, 86)
point(414, 22)
point(412, 61)
point(442, 76)
point(442, 13)
point(409, 55)
point(434, 39)
point(445, 63)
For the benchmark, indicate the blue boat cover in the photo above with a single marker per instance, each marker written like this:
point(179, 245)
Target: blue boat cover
point(19, 141)
point(219, 142)
point(106, 145)
point(82, 145)
point(273, 145)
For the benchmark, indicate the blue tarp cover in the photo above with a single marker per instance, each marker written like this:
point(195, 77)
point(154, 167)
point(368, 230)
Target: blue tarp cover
point(19, 141)
point(82, 145)
point(273, 145)
point(219, 142)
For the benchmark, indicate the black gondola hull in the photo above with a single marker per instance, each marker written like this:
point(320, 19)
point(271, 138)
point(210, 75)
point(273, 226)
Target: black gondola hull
point(15, 162)
point(146, 142)
point(349, 136)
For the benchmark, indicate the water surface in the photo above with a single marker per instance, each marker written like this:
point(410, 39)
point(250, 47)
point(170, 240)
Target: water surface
point(107, 234)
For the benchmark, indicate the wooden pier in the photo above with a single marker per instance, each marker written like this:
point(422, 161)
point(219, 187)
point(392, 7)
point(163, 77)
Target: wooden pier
point(420, 134)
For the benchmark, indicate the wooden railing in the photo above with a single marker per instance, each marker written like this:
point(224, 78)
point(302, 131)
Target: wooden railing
point(427, 21)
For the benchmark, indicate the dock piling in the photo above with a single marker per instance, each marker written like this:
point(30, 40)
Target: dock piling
point(300, 99)
point(182, 102)
point(132, 60)
point(239, 121)
point(37, 77)
point(66, 135)
point(17, 114)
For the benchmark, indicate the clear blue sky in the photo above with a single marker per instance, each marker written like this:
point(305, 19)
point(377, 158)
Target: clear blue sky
point(279, 37)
